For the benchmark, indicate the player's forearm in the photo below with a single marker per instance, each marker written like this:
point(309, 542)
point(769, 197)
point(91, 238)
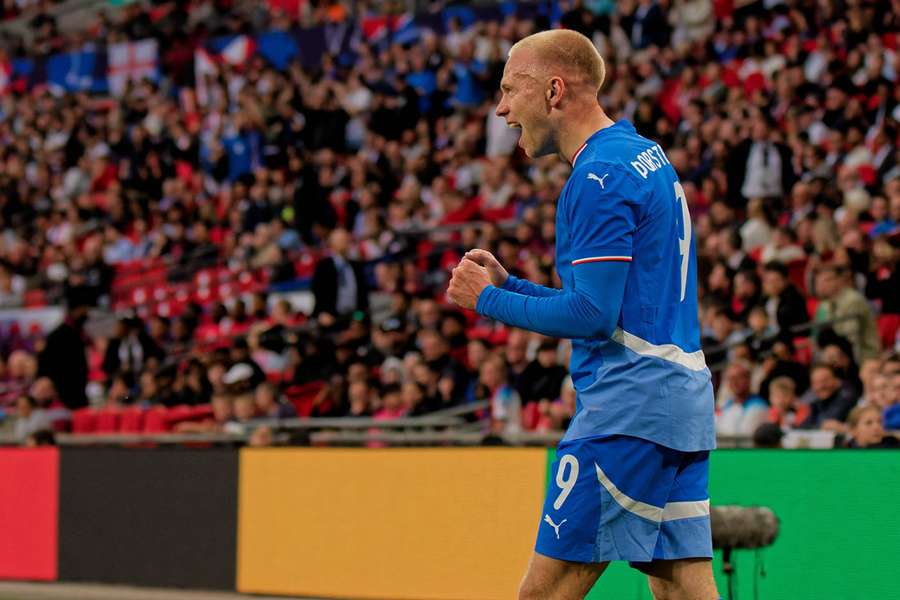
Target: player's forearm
point(527, 288)
point(590, 310)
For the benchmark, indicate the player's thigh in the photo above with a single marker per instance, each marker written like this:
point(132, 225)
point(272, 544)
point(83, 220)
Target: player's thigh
point(553, 579)
point(681, 579)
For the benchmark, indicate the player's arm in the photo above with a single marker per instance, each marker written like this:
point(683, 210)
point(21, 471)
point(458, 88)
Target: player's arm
point(601, 220)
point(502, 279)
point(529, 288)
point(591, 309)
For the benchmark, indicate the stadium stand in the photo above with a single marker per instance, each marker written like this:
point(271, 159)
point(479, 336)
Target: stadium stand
point(271, 196)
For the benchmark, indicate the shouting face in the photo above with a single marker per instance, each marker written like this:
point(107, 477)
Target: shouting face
point(524, 103)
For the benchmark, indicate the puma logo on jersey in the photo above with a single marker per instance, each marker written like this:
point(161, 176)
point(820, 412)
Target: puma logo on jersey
point(598, 179)
point(550, 522)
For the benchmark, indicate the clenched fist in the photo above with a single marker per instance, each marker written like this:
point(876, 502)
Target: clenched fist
point(467, 282)
point(494, 268)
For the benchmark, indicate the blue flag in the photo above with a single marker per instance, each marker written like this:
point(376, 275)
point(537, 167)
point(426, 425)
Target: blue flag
point(77, 71)
point(278, 47)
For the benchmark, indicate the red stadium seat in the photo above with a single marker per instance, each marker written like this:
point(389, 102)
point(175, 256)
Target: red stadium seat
point(156, 420)
point(302, 396)
point(888, 325)
point(108, 420)
point(803, 350)
point(530, 415)
point(811, 305)
point(84, 420)
point(35, 298)
point(131, 420)
point(797, 274)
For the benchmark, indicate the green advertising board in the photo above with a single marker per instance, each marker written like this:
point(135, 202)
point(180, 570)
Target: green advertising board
point(840, 526)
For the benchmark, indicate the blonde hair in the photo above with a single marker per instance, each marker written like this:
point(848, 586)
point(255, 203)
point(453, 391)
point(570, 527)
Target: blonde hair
point(783, 383)
point(856, 414)
point(568, 50)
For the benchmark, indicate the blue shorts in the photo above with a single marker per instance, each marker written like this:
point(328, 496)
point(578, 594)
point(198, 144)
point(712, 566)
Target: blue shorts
point(625, 498)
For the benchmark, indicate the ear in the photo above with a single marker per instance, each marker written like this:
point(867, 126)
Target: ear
point(555, 91)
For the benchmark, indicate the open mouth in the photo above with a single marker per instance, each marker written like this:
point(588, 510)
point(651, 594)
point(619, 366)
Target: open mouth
point(514, 125)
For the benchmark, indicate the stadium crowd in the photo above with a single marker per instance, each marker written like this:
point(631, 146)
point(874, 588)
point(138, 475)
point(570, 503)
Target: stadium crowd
point(364, 180)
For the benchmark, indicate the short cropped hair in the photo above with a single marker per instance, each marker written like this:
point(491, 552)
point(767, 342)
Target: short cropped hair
point(569, 50)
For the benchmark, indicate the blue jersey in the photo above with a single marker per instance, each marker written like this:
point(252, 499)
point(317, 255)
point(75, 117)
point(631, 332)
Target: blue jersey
point(623, 202)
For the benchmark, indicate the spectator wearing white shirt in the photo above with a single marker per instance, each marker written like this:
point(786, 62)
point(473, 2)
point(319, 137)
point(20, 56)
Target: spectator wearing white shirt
point(743, 411)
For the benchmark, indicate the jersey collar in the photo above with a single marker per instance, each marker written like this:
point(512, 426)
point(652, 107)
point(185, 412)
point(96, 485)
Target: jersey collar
point(622, 123)
point(579, 151)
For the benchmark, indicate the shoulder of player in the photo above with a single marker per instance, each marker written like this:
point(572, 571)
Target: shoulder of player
point(610, 175)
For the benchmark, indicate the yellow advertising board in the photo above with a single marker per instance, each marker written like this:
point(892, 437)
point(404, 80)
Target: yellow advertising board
point(398, 524)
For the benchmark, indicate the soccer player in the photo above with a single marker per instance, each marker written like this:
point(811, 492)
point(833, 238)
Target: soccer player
point(630, 482)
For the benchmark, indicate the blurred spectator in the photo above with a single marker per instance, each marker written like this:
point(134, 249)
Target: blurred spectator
point(453, 378)
point(866, 429)
point(760, 334)
point(245, 371)
point(759, 168)
point(131, 348)
point(784, 304)
point(338, 283)
point(270, 404)
point(756, 232)
point(41, 437)
point(887, 396)
point(768, 435)
point(392, 405)
point(786, 410)
point(742, 411)
point(30, 418)
point(883, 279)
point(782, 362)
point(543, 377)
point(830, 400)
point(118, 392)
point(261, 437)
point(20, 372)
point(841, 301)
point(505, 404)
point(223, 414)
point(724, 333)
point(359, 400)
point(782, 248)
point(837, 353)
point(746, 294)
point(243, 413)
point(64, 360)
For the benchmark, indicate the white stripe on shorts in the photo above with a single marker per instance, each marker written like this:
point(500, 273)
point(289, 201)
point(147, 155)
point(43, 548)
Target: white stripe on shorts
point(671, 512)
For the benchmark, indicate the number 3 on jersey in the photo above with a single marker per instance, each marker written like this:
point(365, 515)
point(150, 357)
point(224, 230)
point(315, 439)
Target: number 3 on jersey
point(684, 236)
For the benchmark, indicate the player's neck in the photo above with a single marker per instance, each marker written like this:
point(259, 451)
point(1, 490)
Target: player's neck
point(571, 140)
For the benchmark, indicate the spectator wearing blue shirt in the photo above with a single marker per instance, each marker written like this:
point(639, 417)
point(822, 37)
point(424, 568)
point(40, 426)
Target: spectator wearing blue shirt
point(244, 149)
point(423, 80)
point(889, 225)
point(469, 73)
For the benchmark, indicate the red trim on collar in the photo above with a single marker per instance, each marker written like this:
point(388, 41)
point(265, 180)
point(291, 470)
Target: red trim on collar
point(578, 152)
